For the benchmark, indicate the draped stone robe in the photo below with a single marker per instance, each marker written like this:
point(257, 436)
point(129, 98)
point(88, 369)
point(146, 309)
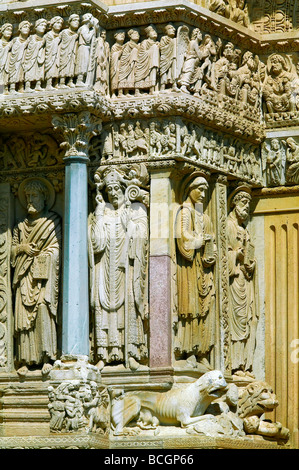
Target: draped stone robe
point(36, 299)
point(243, 314)
point(127, 64)
point(168, 60)
point(5, 48)
point(118, 248)
point(196, 289)
point(68, 53)
point(52, 41)
point(34, 59)
point(147, 64)
point(15, 66)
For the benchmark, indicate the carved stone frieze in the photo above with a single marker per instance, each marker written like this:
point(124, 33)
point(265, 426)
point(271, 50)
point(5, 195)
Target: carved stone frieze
point(165, 138)
point(280, 157)
point(76, 406)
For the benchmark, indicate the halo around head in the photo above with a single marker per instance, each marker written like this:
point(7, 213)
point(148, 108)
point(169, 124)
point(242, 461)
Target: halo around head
point(50, 199)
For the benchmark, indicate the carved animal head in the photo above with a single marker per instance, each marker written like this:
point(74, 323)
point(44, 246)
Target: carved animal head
point(212, 384)
point(257, 398)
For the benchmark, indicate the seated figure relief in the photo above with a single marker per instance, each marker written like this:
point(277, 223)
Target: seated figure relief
point(277, 86)
point(235, 10)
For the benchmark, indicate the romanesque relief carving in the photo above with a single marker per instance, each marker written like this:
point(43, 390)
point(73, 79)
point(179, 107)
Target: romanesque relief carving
point(182, 406)
point(34, 58)
point(76, 406)
point(86, 39)
point(115, 56)
point(256, 399)
point(163, 138)
point(209, 406)
point(236, 10)
point(281, 161)
point(75, 52)
point(220, 151)
point(277, 87)
point(118, 236)
point(292, 161)
point(15, 60)
point(102, 64)
point(168, 59)
point(148, 62)
point(196, 257)
point(274, 16)
point(5, 47)
point(36, 248)
point(52, 43)
point(243, 292)
point(273, 163)
point(76, 129)
point(4, 275)
point(29, 150)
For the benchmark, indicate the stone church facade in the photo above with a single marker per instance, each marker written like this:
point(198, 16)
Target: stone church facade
point(149, 247)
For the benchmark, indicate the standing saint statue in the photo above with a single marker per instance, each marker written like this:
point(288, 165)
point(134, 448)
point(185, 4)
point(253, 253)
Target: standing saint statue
point(168, 65)
point(34, 58)
point(243, 312)
point(16, 58)
point(127, 63)
point(148, 62)
point(196, 257)
point(52, 43)
point(36, 248)
point(118, 236)
point(68, 52)
point(86, 36)
point(5, 47)
point(115, 56)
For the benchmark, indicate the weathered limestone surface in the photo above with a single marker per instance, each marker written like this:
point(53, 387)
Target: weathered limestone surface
point(149, 175)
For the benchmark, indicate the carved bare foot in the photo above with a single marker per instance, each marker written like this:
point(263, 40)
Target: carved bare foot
point(133, 364)
point(46, 368)
point(100, 365)
point(22, 371)
point(184, 89)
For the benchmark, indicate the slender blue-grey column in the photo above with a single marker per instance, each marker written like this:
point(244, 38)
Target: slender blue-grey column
point(76, 129)
point(75, 320)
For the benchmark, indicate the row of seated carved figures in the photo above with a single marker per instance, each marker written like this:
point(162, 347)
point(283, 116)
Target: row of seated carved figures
point(49, 55)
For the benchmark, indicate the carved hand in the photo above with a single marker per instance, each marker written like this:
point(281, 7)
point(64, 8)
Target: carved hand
point(240, 254)
point(28, 248)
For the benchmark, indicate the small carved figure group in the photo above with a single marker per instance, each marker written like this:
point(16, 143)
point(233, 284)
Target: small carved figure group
point(74, 406)
point(281, 161)
point(235, 10)
point(53, 56)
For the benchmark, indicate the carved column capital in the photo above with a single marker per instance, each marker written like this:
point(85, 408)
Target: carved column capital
point(77, 129)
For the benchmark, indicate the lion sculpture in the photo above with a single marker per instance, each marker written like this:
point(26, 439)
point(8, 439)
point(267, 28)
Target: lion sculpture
point(255, 400)
point(180, 406)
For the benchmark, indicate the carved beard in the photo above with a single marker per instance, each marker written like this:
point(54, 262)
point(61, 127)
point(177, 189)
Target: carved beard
point(35, 209)
point(242, 214)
